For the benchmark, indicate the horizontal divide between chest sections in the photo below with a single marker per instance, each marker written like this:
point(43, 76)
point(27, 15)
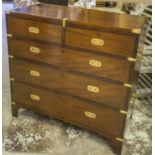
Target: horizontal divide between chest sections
point(71, 83)
point(84, 61)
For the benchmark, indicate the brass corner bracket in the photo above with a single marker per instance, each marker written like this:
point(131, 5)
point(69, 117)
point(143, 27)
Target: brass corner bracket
point(137, 31)
point(123, 112)
point(13, 103)
point(9, 35)
point(127, 85)
point(119, 139)
point(12, 79)
point(64, 22)
point(132, 98)
point(11, 56)
point(131, 59)
point(7, 12)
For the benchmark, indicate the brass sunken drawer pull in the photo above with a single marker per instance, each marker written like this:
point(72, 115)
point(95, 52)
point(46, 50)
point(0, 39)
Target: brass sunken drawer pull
point(93, 89)
point(34, 73)
point(35, 50)
point(34, 97)
point(90, 114)
point(95, 63)
point(33, 30)
point(97, 41)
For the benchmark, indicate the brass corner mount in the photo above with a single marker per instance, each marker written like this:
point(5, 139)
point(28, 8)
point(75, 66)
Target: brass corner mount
point(64, 22)
point(136, 31)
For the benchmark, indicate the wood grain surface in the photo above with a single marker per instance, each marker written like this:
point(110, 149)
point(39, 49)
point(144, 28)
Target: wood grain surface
point(70, 109)
point(47, 32)
point(113, 43)
point(107, 93)
point(81, 17)
point(83, 61)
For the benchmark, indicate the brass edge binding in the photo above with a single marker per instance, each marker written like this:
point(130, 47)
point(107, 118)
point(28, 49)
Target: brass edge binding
point(127, 85)
point(11, 56)
point(7, 12)
point(13, 103)
point(131, 59)
point(9, 35)
point(12, 79)
point(123, 112)
point(119, 139)
point(64, 22)
point(137, 31)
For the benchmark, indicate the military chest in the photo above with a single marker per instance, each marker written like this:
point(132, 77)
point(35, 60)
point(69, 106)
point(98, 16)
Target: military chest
point(76, 65)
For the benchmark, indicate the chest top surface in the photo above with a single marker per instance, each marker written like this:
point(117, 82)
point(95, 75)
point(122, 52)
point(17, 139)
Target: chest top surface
point(81, 17)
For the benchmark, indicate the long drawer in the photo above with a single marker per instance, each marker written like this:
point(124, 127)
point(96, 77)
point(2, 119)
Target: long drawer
point(100, 119)
point(101, 41)
point(34, 30)
point(103, 92)
point(102, 66)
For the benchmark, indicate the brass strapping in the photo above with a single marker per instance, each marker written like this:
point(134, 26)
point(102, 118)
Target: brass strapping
point(9, 35)
point(123, 112)
point(11, 56)
point(64, 22)
point(7, 12)
point(12, 79)
point(127, 85)
point(131, 59)
point(13, 103)
point(119, 139)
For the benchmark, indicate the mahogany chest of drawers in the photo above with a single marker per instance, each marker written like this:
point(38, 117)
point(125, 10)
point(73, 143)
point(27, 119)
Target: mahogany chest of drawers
point(76, 65)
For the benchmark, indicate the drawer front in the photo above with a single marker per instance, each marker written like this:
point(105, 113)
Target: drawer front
point(77, 85)
point(33, 50)
point(70, 109)
point(34, 30)
point(102, 66)
point(101, 41)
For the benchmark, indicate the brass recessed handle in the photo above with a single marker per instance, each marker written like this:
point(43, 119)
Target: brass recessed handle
point(35, 50)
point(93, 89)
point(35, 97)
point(34, 73)
point(32, 29)
point(95, 63)
point(90, 114)
point(97, 41)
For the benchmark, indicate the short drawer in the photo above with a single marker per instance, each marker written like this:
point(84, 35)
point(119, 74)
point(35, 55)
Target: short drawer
point(102, 66)
point(34, 30)
point(106, 121)
point(34, 50)
point(101, 41)
point(89, 88)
